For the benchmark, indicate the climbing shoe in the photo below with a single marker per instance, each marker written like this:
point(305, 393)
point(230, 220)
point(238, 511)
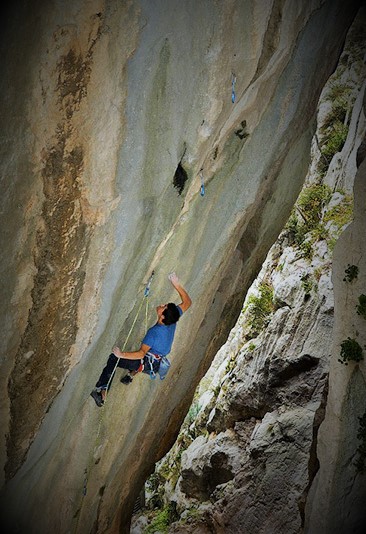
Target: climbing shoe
point(97, 396)
point(126, 380)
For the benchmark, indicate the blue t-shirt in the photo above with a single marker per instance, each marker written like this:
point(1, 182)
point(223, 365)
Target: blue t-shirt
point(160, 337)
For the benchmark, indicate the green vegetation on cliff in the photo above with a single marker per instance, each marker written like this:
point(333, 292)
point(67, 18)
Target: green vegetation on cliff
point(311, 220)
point(162, 520)
point(334, 129)
point(351, 273)
point(351, 350)
point(259, 309)
point(361, 306)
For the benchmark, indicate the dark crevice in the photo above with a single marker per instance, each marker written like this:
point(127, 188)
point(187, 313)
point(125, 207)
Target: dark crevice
point(361, 153)
point(201, 486)
point(313, 463)
point(180, 178)
point(294, 368)
point(271, 38)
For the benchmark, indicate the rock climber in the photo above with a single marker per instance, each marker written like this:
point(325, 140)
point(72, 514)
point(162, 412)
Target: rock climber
point(156, 344)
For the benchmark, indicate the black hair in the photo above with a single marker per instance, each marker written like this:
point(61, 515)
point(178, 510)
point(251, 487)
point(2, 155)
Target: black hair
point(171, 314)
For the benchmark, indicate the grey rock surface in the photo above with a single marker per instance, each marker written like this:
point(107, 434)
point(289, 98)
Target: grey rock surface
point(102, 106)
point(265, 398)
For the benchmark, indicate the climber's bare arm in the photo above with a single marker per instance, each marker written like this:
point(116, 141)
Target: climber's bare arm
point(186, 299)
point(136, 355)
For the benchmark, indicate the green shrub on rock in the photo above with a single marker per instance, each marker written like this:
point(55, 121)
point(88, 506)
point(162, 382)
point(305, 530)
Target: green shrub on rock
point(351, 273)
point(350, 351)
point(163, 519)
point(259, 310)
point(333, 143)
point(310, 204)
point(334, 129)
point(341, 214)
point(361, 307)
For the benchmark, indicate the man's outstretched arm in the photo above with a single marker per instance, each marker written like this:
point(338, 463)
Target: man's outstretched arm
point(136, 355)
point(186, 299)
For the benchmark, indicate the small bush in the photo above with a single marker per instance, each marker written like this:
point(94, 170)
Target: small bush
point(350, 351)
point(318, 273)
point(295, 229)
point(310, 203)
point(306, 218)
point(307, 284)
point(341, 214)
point(230, 364)
point(306, 248)
point(361, 307)
point(320, 233)
point(351, 273)
point(336, 116)
point(191, 515)
point(338, 91)
point(334, 129)
point(163, 519)
point(259, 310)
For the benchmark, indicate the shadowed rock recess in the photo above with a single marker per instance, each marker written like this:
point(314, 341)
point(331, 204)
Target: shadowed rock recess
point(112, 114)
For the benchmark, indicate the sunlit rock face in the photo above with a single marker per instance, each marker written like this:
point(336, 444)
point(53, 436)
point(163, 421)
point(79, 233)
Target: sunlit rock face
point(110, 113)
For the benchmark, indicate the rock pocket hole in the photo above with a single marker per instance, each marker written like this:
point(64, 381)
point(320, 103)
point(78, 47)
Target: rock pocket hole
point(242, 131)
point(180, 178)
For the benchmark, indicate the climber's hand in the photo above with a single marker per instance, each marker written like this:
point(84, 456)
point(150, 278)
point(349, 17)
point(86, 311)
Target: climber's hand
point(173, 279)
point(117, 352)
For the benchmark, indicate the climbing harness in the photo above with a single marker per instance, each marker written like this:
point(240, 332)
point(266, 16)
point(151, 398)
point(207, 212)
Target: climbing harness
point(233, 81)
point(202, 184)
point(88, 468)
point(151, 359)
point(161, 370)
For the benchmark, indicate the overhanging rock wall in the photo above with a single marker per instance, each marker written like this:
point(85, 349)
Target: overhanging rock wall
point(102, 102)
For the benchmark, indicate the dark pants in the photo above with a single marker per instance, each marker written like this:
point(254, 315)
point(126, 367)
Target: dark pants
point(131, 365)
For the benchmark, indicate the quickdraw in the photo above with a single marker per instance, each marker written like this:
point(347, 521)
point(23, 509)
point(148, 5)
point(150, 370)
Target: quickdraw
point(233, 81)
point(202, 184)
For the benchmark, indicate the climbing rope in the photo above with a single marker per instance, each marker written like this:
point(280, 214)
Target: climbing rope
point(101, 412)
point(233, 81)
point(144, 299)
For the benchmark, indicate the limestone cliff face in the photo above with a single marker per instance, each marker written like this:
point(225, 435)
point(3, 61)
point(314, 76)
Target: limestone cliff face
point(104, 104)
point(337, 497)
point(250, 456)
